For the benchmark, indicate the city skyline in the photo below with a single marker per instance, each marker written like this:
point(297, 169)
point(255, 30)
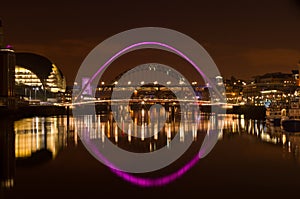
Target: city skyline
point(118, 99)
point(244, 39)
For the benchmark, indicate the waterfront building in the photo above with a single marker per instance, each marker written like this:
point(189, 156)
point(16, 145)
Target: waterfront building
point(37, 78)
point(271, 87)
point(234, 90)
point(7, 80)
point(27, 77)
point(66, 97)
point(7, 72)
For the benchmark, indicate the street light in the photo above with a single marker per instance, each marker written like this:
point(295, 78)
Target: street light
point(35, 89)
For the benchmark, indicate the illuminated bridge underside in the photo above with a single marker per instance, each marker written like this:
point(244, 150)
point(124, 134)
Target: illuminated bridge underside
point(153, 101)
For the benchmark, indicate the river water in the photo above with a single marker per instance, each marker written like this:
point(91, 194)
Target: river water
point(44, 157)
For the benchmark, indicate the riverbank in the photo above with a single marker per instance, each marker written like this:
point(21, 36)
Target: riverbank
point(32, 111)
point(249, 112)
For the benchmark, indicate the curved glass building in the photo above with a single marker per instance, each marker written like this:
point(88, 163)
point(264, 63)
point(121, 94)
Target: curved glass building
point(38, 72)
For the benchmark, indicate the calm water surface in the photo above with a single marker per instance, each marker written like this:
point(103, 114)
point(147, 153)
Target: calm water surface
point(44, 158)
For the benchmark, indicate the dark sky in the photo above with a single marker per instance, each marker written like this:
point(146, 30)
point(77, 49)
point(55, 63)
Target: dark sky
point(245, 38)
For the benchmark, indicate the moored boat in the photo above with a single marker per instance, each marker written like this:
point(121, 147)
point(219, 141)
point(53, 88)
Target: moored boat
point(274, 113)
point(291, 122)
point(291, 125)
point(273, 116)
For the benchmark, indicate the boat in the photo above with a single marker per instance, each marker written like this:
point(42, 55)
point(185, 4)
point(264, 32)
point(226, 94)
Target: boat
point(274, 113)
point(291, 122)
point(273, 116)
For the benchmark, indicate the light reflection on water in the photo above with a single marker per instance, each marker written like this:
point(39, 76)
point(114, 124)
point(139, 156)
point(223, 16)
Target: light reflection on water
point(27, 141)
point(34, 134)
point(102, 126)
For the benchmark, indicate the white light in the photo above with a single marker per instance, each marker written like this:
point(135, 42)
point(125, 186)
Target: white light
point(168, 82)
point(155, 82)
point(102, 83)
point(129, 82)
point(115, 82)
point(142, 82)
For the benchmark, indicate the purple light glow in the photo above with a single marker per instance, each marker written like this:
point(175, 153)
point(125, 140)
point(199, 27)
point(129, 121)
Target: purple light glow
point(8, 46)
point(147, 182)
point(124, 50)
point(152, 182)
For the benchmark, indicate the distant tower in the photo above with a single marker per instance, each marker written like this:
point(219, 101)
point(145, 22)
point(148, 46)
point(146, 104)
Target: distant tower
point(7, 74)
point(295, 73)
point(1, 35)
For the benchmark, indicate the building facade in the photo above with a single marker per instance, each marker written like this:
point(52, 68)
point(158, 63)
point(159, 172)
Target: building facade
point(37, 78)
point(271, 87)
point(7, 77)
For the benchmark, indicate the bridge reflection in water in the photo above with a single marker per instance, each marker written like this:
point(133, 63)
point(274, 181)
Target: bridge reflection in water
point(33, 141)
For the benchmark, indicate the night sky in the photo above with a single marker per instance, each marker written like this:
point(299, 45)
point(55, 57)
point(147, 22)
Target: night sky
point(245, 38)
